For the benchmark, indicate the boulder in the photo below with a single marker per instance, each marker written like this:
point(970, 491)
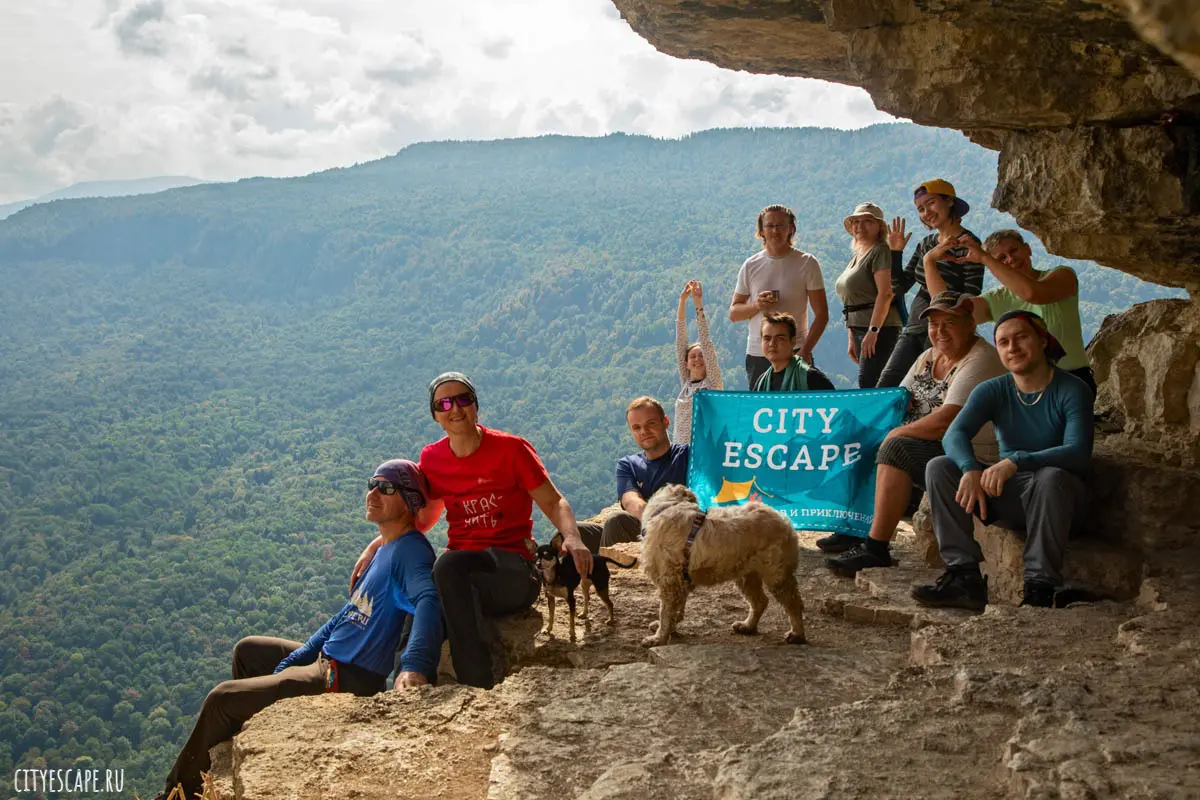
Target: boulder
point(1147, 362)
point(518, 638)
point(1099, 567)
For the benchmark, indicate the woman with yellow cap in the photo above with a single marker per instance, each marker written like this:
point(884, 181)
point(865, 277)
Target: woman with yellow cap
point(941, 210)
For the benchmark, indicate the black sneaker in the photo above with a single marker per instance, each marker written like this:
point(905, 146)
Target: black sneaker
point(954, 590)
point(1039, 594)
point(837, 542)
point(859, 557)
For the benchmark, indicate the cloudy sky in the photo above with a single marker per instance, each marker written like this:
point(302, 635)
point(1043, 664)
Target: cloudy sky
point(218, 89)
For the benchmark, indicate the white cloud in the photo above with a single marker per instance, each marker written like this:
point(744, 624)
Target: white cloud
point(221, 89)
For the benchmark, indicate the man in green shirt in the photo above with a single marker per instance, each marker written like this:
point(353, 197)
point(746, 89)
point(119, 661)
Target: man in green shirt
point(1051, 294)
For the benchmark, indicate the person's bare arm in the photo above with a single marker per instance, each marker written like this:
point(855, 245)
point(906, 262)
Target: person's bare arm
point(980, 310)
point(931, 427)
point(820, 309)
point(1049, 288)
point(633, 503)
point(558, 511)
point(743, 308)
point(883, 304)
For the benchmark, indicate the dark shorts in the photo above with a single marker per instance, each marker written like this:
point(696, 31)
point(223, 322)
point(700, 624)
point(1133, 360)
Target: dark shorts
point(910, 455)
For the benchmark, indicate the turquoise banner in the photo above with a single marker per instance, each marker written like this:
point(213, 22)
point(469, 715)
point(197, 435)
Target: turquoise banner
point(811, 455)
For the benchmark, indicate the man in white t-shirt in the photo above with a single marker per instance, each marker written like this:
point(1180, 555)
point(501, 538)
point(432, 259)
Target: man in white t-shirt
point(779, 278)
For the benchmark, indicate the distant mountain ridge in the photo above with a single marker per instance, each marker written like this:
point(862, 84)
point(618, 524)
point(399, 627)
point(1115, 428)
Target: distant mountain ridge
point(195, 383)
point(119, 188)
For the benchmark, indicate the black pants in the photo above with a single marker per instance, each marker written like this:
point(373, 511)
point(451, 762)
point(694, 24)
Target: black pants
point(253, 688)
point(620, 527)
point(908, 348)
point(755, 367)
point(869, 369)
point(473, 586)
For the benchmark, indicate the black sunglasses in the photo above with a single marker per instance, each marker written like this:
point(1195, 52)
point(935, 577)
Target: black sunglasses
point(384, 487)
point(462, 400)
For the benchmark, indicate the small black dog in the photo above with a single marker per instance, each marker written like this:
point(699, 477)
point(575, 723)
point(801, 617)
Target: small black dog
point(559, 579)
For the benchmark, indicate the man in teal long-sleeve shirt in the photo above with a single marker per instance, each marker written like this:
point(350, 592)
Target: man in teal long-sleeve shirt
point(1043, 421)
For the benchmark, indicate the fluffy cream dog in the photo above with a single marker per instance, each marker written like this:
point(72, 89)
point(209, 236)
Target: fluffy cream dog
point(752, 544)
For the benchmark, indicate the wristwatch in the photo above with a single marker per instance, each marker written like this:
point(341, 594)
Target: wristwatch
point(873, 329)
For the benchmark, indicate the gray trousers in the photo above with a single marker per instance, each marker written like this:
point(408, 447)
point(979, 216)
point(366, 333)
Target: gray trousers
point(620, 527)
point(1043, 503)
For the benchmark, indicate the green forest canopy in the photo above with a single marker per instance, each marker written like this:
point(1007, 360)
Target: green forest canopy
point(197, 383)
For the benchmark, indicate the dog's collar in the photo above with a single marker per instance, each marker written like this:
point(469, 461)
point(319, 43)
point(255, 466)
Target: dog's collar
point(697, 521)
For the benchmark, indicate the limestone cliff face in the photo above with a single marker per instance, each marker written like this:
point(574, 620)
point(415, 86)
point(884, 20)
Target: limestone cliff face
point(1098, 129)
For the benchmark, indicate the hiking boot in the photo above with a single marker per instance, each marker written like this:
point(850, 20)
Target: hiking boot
point(954, 589)
point(1039, 594)
point(837, 542)
point(861, 556)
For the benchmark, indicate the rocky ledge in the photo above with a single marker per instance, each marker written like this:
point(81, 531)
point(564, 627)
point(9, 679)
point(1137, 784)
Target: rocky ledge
point(886, 701)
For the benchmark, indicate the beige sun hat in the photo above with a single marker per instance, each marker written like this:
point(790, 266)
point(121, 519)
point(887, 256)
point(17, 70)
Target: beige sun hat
point(864, 210)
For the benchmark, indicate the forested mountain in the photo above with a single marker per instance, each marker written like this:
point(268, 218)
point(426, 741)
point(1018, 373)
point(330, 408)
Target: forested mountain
point(195, 385)
point(103, 189)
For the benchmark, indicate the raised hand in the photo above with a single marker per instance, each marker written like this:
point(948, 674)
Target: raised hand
point(945, 243)
point(697, 293)
point(974, 252)
point(897, 239)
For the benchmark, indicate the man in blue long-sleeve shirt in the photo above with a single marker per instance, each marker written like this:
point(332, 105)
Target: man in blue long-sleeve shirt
point(1043, 422)
point(354, 651)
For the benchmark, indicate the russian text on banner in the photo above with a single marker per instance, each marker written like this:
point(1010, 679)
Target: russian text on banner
point(811, 455)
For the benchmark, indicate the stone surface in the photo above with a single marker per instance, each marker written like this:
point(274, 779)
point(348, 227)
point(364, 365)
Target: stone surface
point(925, 542)
point(1097, 700)
point(1097, 566)
point(1117, 195)
point(1098, 129)
point(518, 635)
point(1147, 361)
point(1171, 25)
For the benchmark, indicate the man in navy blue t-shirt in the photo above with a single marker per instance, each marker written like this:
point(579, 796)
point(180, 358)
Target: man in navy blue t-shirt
point(640, 475)
point(355, 650)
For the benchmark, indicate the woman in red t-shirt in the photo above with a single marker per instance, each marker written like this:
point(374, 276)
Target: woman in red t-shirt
point(488, 481)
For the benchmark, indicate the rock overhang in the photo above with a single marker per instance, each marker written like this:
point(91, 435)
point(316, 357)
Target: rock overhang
point(1092, 105)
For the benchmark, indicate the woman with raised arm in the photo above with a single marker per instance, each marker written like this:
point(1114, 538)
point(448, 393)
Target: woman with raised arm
point(865, 289)
point(697, 362)
point(941, 211)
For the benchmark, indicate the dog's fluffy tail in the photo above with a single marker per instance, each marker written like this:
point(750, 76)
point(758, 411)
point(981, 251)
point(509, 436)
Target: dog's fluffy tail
point(614, 561)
